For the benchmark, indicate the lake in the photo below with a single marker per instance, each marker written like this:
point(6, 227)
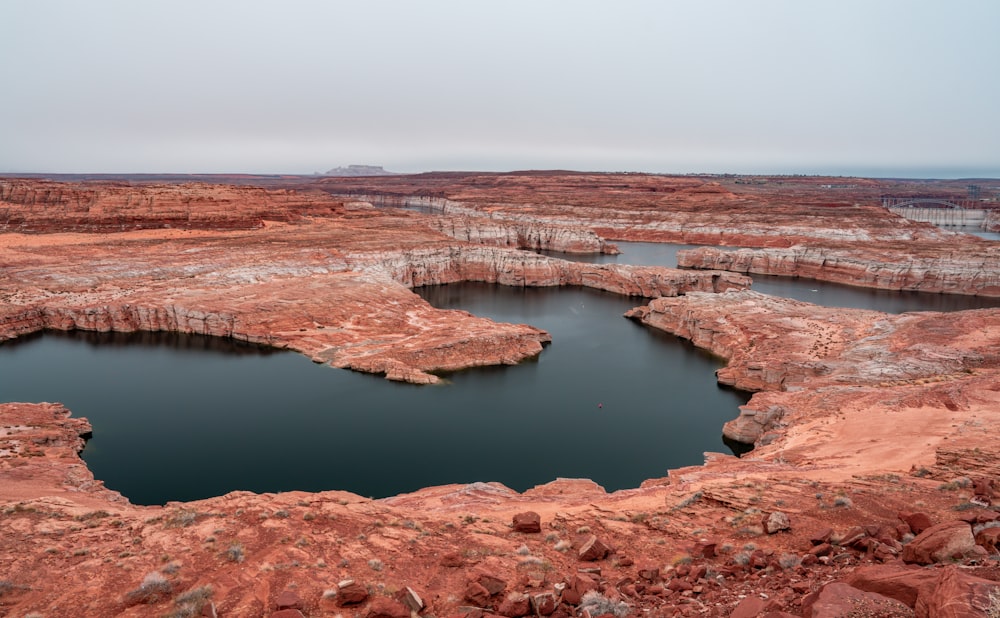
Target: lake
point(182, 417)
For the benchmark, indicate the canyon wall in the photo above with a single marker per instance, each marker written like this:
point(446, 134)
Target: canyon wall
point(779, 344)
point(37, 206)
point(974, 269)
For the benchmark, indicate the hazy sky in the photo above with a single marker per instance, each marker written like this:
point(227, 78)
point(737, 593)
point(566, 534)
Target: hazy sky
point(297, 86)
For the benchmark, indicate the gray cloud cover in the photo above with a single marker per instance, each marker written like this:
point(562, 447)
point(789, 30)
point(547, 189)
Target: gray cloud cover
point(297, 86)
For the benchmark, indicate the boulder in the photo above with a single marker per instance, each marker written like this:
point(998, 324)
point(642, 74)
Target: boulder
point(543, 604)
point(409, 597)
point(749, 607)
point(528, 522)
point(776, 522)
point(288, 600)
point(593, 550)
point(989, 539)
point(516, 604)
point(940, 543)
point(918, 522)
point(821, 536)
point(476, 594)
point(960, 595)
point(493, 584)
point(351, 593)
point(903, 583)
point(705, 548)
point(384, 607)
point(838, 600)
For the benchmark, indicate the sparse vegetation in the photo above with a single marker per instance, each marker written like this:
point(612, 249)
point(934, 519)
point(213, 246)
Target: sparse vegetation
point(191, 602)
point(375, 564)
point(683, 504)
point(789, 561)
point(583, 530)
point(524, 550)
point(597, 605)
point(843, 502)
point(181, 519)
point(283, 514)
point(153, 589)
point(562, 546)
point(235, 553)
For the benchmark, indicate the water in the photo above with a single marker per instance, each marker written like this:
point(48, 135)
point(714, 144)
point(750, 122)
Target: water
point(186, 417)
point(808, 290)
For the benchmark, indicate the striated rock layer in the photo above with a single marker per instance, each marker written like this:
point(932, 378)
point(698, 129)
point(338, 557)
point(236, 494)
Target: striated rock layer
point(972, 269)
point(333, 287)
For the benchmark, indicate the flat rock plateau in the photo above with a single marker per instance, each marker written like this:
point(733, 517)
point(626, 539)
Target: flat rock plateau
point(871, 491)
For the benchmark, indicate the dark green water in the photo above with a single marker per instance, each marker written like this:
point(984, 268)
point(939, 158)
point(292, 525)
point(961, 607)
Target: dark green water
point(187, 417)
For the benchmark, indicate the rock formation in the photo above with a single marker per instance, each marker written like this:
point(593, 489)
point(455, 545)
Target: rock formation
point(920, 266)
point(875, 434)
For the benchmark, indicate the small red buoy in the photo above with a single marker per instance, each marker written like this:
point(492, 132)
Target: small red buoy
point(600, 405)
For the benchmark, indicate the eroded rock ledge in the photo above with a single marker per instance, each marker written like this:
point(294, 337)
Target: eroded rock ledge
point(927, 267)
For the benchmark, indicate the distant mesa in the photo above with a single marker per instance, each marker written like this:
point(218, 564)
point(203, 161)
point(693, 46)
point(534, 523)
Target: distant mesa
point(359, 170)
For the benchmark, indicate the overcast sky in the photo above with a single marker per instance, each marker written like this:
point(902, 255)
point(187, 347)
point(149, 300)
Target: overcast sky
point(297, 86)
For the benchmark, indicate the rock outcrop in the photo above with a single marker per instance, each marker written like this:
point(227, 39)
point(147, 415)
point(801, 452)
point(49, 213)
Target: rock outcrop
point(924, 267)
point(39, 206)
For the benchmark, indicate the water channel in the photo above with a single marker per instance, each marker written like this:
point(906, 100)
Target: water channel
point(185, 417)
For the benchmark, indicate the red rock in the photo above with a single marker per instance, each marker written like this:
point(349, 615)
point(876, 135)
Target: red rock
point(704, 549)
point(837, 600)
point(853, 536)
point(649, 573)
point(287, 613)
point(476, 594)
point(351, 594)
point(776, 522)
point(384, 607)
point(452, 560)
point(989, 539)
point(493, 584)
point(959, 595)
point(515, 605)
point(940, 543)
point(288, 599)
point(821, 550)
point(903, 583)
point(697, 572)
point(593, 549)
point(918, 522)
point(528, 522)
point(821, 536)
point(409, 597)
point(749, 607)
point(809, 560)
point(679, 585)
point(625, 561)
point(543, 604)
point(208, 610)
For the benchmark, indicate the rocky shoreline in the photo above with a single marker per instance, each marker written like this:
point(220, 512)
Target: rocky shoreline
point(872, 487)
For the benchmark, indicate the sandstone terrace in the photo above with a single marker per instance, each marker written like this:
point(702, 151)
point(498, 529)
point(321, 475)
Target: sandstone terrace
point(838, 391)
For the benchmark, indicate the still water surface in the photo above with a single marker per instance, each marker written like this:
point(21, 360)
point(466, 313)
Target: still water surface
point(184, 417)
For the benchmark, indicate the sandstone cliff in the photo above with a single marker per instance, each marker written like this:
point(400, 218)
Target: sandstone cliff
point(36, 206)
point(924, 267)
